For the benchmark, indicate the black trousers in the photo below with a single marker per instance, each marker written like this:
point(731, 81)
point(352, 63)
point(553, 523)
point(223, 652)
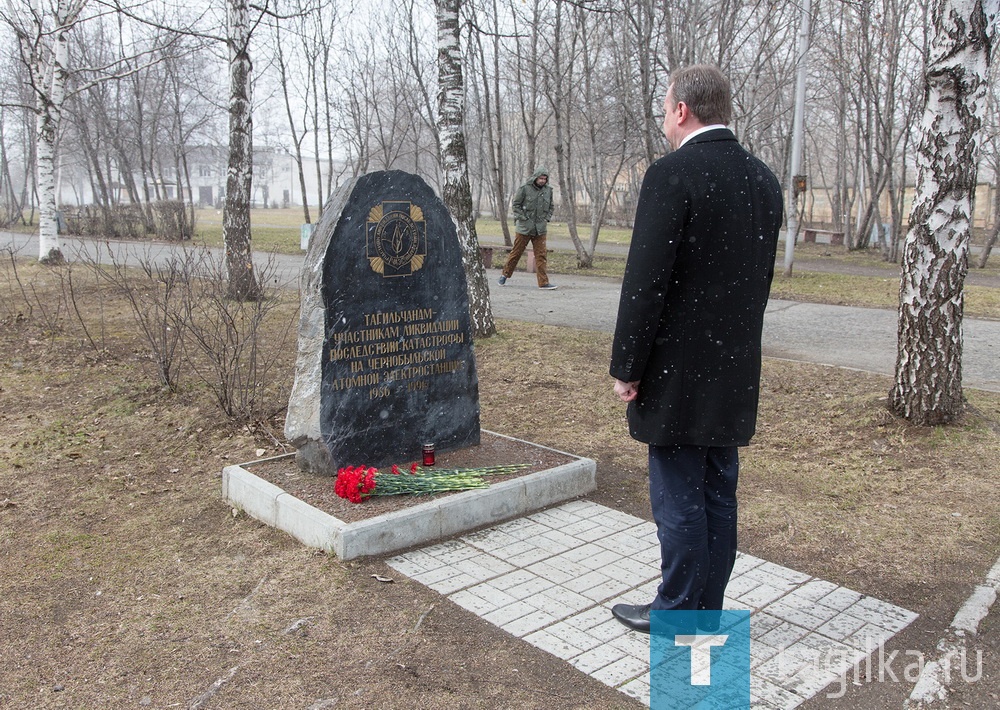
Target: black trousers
point(692, 490)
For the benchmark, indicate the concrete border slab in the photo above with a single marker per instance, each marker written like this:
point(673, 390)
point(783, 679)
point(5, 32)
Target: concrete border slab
point(433, 520)
point(937, 677)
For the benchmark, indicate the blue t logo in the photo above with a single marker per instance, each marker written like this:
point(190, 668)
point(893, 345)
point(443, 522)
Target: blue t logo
point(699, 659)
point(701, 655)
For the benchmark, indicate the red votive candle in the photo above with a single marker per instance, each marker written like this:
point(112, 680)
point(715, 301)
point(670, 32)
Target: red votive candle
point(428, 454)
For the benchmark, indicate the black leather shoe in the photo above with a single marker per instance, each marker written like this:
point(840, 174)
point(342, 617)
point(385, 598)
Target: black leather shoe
point(634, 617)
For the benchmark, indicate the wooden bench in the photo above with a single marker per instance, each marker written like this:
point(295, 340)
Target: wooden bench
point(486, 254)
point(836, 238)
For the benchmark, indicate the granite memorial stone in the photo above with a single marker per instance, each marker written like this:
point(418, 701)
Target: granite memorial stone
point(385, 361)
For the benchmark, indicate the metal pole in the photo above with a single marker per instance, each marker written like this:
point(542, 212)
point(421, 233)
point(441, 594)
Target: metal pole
point(791, 204)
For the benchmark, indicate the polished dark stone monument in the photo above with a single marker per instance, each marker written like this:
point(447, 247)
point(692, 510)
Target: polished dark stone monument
point(385, 360)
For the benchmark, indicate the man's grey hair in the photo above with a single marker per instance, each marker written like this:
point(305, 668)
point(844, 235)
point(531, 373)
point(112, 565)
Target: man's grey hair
point(706, 91)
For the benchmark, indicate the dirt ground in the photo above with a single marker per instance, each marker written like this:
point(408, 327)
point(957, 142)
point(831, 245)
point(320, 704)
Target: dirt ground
point(127, 582)
point(493, 450)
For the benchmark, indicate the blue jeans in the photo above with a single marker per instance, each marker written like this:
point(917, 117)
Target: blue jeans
point(692, 490)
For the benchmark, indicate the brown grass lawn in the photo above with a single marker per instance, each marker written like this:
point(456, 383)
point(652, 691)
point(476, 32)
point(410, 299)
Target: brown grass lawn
point(128, 582)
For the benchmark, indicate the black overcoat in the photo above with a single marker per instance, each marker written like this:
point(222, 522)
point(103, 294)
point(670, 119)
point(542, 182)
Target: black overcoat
point(696, 284)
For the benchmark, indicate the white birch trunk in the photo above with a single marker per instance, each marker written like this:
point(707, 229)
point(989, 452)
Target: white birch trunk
point(50, 81)
point(243, 285)
point(48, 230)
point(457, 194)
point(928, 381)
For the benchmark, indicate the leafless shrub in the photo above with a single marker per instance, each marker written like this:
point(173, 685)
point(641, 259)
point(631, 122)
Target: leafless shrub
point(71, 294)
point(237, 363)
point(157, 291)
point(125, 221)
point(25, 298)
point(25, 303)
point(173, 221)
point(166, 219)
point(17, 299)
point(179, 303)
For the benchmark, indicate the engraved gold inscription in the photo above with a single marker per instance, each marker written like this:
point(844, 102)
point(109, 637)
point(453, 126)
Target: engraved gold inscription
point(406, 347)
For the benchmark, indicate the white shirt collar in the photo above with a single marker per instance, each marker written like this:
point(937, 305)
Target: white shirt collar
point(701, 130)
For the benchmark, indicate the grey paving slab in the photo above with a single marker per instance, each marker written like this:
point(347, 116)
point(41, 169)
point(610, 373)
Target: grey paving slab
point(531, 577)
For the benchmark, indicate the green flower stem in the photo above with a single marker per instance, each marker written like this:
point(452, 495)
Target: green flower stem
point(390, 485)
point(426, 480)
point(481, 471)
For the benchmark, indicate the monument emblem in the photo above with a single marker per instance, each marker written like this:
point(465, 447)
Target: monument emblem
point(397, 238)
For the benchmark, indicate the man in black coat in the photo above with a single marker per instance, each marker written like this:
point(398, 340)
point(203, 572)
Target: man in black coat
point(686, 353)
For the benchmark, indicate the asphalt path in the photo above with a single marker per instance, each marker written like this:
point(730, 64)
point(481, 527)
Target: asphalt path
point(843, 336)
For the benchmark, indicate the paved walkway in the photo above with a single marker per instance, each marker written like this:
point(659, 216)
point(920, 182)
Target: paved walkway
point(551, 578)
point(802, 263)
point(844, 336)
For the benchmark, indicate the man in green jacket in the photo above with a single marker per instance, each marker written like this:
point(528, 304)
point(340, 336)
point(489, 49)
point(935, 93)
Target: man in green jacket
point(532, 210)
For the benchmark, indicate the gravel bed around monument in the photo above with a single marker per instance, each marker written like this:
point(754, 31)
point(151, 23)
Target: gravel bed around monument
point(317, 491)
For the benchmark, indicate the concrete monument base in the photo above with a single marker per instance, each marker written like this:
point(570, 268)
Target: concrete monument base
point(436, 519)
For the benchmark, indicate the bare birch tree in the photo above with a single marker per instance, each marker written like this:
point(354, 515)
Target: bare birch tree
point(456, 192)
point(377, 134)
point(322, 23)
point(991, 151)
point(297, 136)
point(490, 112)
point(642, 29)
point(305, 63)
point(43, 33)
point(605, 124)
point(243, 285)
point(928, 380)
point(527, 67)
point(560, 80)
point(17, 139)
